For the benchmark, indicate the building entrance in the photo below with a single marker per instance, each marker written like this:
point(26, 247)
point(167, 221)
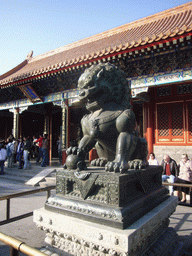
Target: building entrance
point(40, 119)
point(138, 110)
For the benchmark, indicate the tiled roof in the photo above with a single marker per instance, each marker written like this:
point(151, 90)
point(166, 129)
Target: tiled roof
point(152, 29)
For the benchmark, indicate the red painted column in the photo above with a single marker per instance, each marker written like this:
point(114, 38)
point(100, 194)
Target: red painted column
point(65, 130)
point(150, 128)
point(92, 154)
point(64, 156)
point(145, 121)
point(68, 126)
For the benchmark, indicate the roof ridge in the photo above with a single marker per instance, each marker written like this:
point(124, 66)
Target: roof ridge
point(13, 70)
point(116, 30)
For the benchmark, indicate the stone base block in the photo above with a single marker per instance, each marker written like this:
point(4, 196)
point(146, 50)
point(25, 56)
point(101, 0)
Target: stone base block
point(111, 199)
point(149, 235)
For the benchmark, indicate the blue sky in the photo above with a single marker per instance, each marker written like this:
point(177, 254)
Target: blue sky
point(43, 25)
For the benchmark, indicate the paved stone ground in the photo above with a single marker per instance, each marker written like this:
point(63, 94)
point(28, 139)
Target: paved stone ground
point(26, 231)
point(181, 221)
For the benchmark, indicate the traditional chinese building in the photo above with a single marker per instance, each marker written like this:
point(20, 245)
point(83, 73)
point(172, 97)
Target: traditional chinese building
point(40, 94)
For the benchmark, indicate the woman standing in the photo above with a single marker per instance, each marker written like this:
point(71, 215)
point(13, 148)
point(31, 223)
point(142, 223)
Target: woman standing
point(10, 148)
point(59, 146)
point(45, 149)
point(185, 177)
point(20, 153)
point(26, 150)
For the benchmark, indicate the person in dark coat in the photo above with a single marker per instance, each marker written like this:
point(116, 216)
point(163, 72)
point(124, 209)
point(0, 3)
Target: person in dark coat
point(19, 156)
point(170, 170)
point(3, 156)
point(45, 149)
point(26, 150)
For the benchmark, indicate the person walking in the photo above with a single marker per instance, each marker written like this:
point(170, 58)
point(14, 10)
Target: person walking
point(35, 148)
point(3, 156)
point(19, 156)
point(45, 149)
point(10, 155)
point(59, 149)
point(39, 143)
point(26, 150)
point(15, 144)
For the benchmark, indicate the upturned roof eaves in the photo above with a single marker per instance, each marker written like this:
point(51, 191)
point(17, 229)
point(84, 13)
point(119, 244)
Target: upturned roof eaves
point(154, 28)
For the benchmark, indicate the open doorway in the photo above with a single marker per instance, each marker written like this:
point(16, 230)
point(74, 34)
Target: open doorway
point(138, 110)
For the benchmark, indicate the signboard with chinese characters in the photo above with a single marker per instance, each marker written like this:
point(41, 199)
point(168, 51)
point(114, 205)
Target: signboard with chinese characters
point(30, 93)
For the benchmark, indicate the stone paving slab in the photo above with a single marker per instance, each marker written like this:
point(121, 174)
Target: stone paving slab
point(40, 176)
point(26, 230)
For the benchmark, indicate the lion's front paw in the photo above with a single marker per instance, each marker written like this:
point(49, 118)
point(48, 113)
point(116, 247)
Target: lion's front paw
point(116, 167)
point(71, 151)
point(99, 162)
point(76, 151)
point(136, 164)
point(75, 159)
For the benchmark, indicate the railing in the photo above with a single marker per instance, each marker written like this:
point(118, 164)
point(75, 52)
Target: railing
point(181, 185)
point(17, 246)
point(19, 194)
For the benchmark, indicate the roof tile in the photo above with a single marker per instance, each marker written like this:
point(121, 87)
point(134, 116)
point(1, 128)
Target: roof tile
point(163, 25)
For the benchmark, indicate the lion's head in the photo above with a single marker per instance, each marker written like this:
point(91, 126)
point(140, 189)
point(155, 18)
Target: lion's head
point(104, 82)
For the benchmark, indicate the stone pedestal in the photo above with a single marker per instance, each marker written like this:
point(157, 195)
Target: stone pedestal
point(99, 213)
point(111, 199)
point(149, 235)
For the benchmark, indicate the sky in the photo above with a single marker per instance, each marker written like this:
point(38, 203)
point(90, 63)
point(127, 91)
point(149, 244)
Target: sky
point(44, 25)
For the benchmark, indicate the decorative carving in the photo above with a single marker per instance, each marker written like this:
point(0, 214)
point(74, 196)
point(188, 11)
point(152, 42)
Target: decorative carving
point(65, 233)
point(78, 246)
point(112, 199)
point(158, 63)
point(29, 55)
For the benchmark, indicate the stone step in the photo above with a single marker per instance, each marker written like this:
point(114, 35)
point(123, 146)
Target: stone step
point(40, 176)
point(22, 173)
point(14, 178)
point(49, 181)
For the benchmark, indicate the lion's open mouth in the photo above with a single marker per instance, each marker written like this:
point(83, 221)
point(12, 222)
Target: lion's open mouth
point(91, 103)
point(90, 97)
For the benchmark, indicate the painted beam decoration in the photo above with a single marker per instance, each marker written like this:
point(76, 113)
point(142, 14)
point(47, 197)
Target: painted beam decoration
point(141, 84)
point(29, 92)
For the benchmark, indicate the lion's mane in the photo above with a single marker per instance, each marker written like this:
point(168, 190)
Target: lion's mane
point(112, 81)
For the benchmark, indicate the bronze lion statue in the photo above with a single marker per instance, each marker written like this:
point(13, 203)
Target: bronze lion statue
point(111, 125)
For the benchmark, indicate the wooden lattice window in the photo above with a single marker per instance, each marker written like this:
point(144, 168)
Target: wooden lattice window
point(184, 89)
point(163, 121)
point(177, 120)
point(170, 122)
point(164, 91)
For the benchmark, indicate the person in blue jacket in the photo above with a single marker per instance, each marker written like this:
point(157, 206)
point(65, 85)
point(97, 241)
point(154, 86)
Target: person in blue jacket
point(19, 156)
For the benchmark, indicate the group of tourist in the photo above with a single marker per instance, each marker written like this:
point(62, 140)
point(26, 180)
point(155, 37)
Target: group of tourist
point(14, 151)
point(20, 151)
point(175, 173)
